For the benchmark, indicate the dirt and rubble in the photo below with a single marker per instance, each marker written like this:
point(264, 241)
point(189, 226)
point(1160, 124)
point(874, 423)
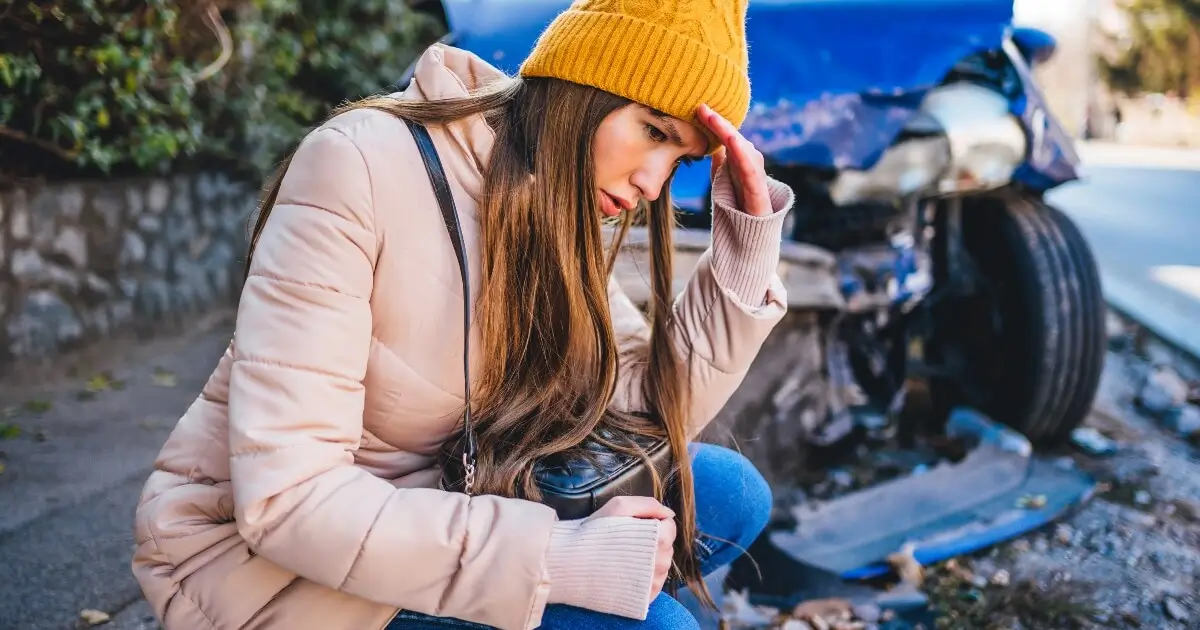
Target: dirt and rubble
point(1128, 558)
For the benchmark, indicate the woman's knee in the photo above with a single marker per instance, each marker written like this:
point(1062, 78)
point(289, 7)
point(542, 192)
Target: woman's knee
point(666, 613)
point(729, 487)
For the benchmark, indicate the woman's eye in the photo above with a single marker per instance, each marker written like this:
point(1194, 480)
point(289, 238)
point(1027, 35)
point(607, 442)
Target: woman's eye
point(655, 133)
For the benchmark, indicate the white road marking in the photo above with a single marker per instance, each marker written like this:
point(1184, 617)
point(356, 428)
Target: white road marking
point(1182, 278)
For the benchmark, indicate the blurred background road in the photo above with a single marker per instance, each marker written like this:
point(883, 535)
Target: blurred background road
point(1140, 210)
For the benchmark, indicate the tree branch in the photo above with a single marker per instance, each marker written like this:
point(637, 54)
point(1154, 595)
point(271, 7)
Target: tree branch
point(21, 136)
point(226, 40)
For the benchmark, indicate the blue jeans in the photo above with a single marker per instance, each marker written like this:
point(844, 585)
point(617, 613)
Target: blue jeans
point(733, 503)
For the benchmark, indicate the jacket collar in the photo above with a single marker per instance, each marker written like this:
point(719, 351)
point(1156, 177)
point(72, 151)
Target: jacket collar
point(444, 72)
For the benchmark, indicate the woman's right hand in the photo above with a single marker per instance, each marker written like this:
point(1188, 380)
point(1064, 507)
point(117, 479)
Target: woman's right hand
point(647, 507)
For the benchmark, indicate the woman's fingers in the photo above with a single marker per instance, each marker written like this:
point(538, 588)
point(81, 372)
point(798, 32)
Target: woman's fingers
point(637, 507)
point(721, 128)
point(752, 172)
point(746, 164)
point(663, 556)
point(718, 161)
point(736, 145)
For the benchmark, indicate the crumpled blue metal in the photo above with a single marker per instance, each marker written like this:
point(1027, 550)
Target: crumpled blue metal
point(833, 81)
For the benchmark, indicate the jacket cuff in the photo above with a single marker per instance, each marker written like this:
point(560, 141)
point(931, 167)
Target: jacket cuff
point(745, 248)
point(604, 564)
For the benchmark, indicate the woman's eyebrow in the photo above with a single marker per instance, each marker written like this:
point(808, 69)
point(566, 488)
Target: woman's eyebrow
point(668, 121)
point(672, 130)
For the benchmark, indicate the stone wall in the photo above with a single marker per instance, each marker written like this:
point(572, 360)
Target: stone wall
point(82, 260)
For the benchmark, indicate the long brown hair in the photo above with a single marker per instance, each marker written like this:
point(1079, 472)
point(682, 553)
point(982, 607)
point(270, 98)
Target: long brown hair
point(550, 352)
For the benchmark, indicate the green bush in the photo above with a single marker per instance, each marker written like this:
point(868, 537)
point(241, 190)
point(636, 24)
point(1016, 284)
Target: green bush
point(97, 87)
point(313, 55)
point(94, 84)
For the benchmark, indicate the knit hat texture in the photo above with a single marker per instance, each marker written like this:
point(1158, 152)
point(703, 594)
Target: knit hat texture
point(670, 55)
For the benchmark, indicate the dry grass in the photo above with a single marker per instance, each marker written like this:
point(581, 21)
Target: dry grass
point(1060, 604)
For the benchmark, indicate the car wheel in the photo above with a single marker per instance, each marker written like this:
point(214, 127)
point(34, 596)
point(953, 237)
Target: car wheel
point(1026, 345)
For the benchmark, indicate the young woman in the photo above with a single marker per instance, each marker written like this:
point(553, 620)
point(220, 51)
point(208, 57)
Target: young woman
point(301, 488)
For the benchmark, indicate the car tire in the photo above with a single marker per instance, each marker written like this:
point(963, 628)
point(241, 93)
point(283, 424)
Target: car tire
point(1030, 344)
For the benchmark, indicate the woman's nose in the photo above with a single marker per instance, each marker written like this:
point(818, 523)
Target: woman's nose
point(649, 180)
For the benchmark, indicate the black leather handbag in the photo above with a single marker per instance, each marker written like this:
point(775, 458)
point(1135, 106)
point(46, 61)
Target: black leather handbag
point(573, 484)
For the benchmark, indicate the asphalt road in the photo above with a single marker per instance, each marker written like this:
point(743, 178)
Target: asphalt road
point(1142, 219)
point(73, 475)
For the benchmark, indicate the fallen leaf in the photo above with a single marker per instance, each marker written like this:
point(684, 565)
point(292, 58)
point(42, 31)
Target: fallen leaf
point(3, 467)
point(1032, 502)
point(906, 566)
point(9, 431)
point(98, 383)
point(958, 571)
point(94, 617)
point(826, 609)
point(38, 406)
point(163, 378)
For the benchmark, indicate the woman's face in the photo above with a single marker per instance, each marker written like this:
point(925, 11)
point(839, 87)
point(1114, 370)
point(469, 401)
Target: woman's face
point(636, 150)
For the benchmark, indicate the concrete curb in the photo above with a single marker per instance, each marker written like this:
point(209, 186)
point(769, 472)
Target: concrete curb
point(1176, 325)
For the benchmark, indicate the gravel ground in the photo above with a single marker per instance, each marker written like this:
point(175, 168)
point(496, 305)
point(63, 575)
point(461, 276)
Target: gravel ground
point(1129, 558)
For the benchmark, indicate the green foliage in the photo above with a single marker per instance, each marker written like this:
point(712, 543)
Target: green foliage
point(95, 83)
point(1161, 52)
point(312, 55)
point(91, 87)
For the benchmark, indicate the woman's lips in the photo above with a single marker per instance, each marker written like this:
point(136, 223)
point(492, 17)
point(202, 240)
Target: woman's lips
point(609, 205)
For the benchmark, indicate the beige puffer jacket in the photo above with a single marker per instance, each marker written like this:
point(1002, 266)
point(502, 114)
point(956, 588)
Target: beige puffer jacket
point(298, 491)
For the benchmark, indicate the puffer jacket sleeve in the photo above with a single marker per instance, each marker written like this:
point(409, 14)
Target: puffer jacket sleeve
point(296, 405)
point(730, 304)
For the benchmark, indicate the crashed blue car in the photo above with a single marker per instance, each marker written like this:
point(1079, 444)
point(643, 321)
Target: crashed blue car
point(920, 148)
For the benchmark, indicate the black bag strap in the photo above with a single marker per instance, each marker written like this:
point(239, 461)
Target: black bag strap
point(441, 190)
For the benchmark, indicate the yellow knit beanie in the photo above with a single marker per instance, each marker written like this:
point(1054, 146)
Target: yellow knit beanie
point(671, 55)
